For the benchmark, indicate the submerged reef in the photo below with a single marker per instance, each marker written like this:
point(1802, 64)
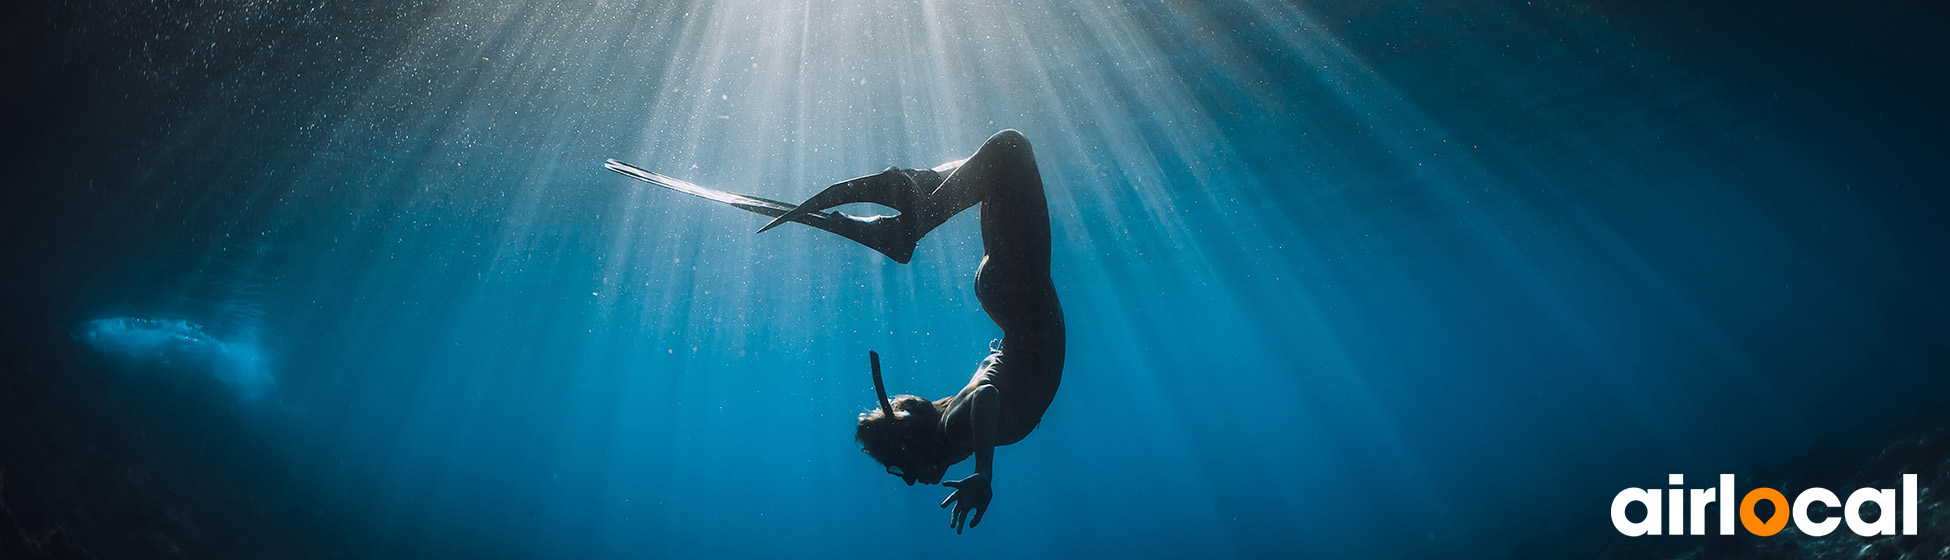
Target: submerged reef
point(181, 346)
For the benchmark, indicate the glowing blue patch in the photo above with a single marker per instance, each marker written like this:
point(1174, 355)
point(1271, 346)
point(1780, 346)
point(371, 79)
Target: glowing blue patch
point(239, 364)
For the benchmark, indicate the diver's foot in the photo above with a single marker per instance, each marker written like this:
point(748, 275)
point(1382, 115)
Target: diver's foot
point(893, 236)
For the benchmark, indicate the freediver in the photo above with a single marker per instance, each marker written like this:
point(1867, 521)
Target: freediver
point(917, 439)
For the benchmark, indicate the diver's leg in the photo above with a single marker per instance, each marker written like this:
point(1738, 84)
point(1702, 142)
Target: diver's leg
point(1001, 172)
point(1013, 282)
point(1002, 176)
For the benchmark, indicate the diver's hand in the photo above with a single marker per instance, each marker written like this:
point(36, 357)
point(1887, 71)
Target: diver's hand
point(971, 494)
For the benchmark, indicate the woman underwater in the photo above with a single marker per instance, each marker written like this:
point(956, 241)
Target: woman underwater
point(917, 439)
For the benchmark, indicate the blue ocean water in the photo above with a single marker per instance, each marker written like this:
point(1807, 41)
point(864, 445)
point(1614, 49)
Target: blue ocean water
point(1372, 280)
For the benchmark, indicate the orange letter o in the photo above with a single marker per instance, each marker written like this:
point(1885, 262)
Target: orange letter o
point(1752, 522)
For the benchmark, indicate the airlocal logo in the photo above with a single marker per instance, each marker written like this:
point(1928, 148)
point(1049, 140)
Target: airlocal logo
point(1885, 501)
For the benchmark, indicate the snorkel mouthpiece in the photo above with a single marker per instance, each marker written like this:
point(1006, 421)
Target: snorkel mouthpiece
point(879, 386)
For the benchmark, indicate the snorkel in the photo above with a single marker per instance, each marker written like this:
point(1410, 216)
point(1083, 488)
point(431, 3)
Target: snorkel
point(880, 387)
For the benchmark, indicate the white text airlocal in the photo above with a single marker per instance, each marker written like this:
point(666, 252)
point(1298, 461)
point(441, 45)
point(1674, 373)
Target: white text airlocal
point(1677, 514)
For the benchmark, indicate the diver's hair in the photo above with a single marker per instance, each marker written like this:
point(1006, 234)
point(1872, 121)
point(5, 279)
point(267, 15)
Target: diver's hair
point(915, 428)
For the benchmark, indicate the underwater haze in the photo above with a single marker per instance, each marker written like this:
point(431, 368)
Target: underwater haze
point(1388, 279)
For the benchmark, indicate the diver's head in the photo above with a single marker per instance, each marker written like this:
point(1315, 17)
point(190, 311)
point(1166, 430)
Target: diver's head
point(909, 442)
point(904, 434)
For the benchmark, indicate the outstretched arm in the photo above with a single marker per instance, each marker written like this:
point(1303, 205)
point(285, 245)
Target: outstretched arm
point(982, 405)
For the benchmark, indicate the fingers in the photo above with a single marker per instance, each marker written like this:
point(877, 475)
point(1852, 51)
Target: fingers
point(960, 520)
point(952, 484)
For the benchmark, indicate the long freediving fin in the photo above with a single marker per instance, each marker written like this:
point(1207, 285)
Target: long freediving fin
point(890, 235)
point(893, 188)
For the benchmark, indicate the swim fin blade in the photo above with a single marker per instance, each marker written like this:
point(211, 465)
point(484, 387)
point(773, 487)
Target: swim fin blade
point(890, 235)
point(891, 188)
